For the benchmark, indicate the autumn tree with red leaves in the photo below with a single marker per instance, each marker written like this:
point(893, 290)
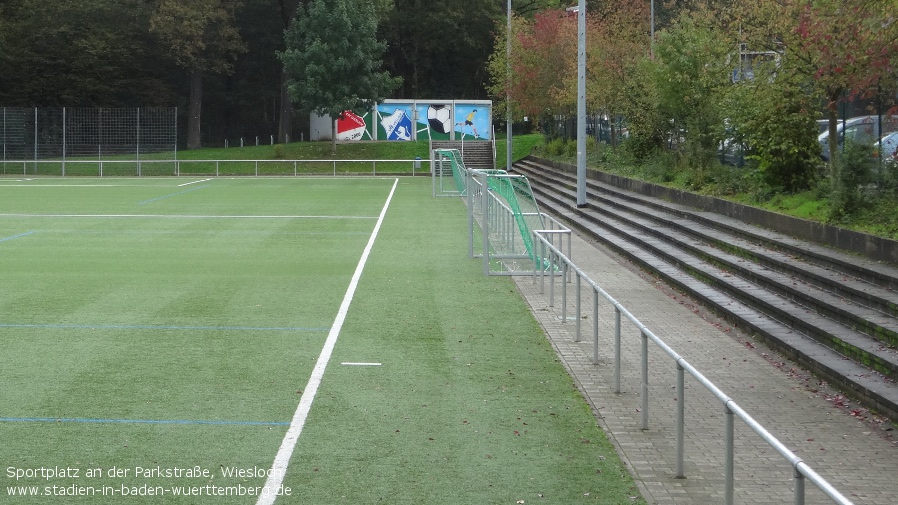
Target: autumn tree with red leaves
point(543, 53)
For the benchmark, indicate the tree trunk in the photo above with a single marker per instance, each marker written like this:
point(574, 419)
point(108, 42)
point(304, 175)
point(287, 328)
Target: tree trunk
point(833, 126)
point(195, 109)
point(285, 114)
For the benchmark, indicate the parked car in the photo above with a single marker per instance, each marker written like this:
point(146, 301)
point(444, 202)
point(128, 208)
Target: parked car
point(861, 129)
point(888, 144)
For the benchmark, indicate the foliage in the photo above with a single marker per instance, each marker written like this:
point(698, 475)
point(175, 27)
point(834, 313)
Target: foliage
point(649, 129)
point(616, 42)
point(440, 48)
point(199, 34)
point(79, 53)
point(773, 115)
point(543, 51)
point(850, 195)
point(836, 46)
point(332, 60)
point(691, 75)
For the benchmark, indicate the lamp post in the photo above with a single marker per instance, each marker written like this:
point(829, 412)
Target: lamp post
point(508, 92)
point(652, 32)
point(581, 104)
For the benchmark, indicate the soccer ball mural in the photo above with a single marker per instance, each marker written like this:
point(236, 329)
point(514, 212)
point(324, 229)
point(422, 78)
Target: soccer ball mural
point(439, 117)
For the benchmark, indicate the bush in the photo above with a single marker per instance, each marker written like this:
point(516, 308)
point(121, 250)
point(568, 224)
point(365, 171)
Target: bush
point(850, 192)
point(555, 147)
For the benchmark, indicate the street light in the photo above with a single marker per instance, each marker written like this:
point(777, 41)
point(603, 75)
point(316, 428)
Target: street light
point(581, 103)
point(508, 92)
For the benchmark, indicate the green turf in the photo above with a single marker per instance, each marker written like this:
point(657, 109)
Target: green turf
point(159, 303)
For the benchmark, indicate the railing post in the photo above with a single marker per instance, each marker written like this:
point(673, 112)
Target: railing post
point(729, 440)
point(617, 370)
point(552, 279)
point(595, 327)
point(681, 419)
point(564, 277)
point(644, 390)
point(799, 486)
point(578, 309)
point(485, 207)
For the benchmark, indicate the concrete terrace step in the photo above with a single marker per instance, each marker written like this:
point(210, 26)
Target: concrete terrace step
point(753, 277)
point(475, 153)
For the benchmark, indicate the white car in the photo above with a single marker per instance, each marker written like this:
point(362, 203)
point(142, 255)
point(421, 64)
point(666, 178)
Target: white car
point(888, 144)
point(861, 129)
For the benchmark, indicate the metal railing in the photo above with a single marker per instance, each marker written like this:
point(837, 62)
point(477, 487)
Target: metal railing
point(563, 268)
point(161, 167)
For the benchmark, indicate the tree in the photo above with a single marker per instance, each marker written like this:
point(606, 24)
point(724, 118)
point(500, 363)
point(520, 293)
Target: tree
point(440, 47)
point(80, 53)
point(543, 51)
point(692, 73)
point(334, 60)
point(287, 10)
point(616, 42)
point(201, 37)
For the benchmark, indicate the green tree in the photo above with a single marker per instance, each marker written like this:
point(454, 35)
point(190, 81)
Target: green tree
point(692, 73)
point(200, 36)
point(334, 60)
point(441, 48)
point(80, 53)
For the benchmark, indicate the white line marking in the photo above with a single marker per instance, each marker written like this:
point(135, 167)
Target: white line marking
point(193, 182)
point(182, 216)
point(350, 363)
point(282, 459)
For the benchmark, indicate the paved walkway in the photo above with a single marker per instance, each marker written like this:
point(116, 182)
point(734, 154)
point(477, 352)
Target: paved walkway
point(840, 440)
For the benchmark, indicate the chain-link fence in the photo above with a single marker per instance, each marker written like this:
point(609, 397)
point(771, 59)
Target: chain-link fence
point(88, 141)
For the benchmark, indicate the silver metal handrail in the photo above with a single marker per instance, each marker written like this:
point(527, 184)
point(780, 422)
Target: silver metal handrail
point(801, 470)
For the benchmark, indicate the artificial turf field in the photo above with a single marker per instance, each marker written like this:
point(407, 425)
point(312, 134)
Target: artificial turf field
point(328, 337)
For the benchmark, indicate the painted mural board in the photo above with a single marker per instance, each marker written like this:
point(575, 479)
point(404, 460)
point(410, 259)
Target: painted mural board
point(394, 121)
point(409, 120)
point(472, 121)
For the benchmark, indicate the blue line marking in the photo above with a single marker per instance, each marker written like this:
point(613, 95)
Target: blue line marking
point(171, 195)
point(137, 421)
point(158, 327)
point(20, 235)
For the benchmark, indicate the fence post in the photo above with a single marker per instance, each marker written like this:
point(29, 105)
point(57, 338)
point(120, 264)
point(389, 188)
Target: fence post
point(617, 350)
point(729, 477)
point(644, 390)
point(485, 206)
point(595, 326)
point(63, 141)
point(564, 292)
point(578, 309)
point(681, 419)
point(799, 486)
point(551, 278)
